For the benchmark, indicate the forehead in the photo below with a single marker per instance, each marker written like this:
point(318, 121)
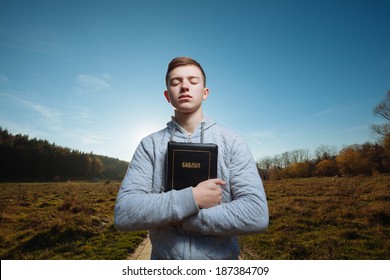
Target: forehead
point(185, 71)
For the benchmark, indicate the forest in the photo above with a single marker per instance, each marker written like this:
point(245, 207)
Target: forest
point(357, 159)
point(25, 159)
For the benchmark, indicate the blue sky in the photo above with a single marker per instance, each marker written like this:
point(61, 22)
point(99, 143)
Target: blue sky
point(292, 74)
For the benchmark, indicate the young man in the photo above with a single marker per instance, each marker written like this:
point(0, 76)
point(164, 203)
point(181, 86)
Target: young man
point(198, 222)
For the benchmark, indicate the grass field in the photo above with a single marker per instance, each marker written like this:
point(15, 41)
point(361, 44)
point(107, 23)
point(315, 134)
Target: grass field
point(314, 218)
point(62, 221)
point(325, 218)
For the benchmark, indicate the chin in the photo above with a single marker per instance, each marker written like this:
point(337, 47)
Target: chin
point(186, 110)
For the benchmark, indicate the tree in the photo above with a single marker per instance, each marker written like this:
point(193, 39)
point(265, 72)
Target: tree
point(351, 161)
point(325, 152)
point(97, 167)
point(265, 163)
point(386, 145)
point(326, 167)
point(276, 173)
point(382, 110)
point(298, 170)
point(22, 158)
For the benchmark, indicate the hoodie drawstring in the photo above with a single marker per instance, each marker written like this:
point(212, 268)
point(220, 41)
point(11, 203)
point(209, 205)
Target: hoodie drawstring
point(173, 132)
point(202, 132)
point(202, 124)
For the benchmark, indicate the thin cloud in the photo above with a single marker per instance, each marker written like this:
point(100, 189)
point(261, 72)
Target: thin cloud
point(94, 139)
point(33, 43)
point(80, 114)
point(356, 128)
point(339, 108)
point(54, 125)
point(85, 136)
point(52, 118)
point(325, 111)
point(91, 84)
point(263, 134)
point(252, 137)
point(43, 110)
point(16, 128)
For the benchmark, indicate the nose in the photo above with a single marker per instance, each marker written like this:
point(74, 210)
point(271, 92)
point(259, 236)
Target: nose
point(184, 86)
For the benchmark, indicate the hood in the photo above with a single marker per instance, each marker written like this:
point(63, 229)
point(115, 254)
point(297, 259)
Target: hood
point(177, 131)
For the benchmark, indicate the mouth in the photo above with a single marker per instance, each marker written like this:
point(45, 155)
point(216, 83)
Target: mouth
point(185, 96)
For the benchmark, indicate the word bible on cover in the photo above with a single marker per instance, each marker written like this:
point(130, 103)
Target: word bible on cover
point(188, 164)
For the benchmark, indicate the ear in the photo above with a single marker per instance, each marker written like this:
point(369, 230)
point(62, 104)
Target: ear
point(167, 96)
point(205, 93)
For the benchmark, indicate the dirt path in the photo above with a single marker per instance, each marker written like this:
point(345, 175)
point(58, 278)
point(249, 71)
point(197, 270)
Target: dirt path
point(143, 251)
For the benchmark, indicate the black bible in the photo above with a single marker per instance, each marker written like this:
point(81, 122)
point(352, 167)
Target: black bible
point(188, 164)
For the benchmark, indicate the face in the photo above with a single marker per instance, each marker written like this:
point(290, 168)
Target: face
point(185, 90)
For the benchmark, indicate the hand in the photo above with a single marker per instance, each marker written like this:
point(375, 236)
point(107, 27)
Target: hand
point(208, 193)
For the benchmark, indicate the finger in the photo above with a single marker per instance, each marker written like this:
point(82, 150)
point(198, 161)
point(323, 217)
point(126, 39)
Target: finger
point(218, 181)
point(216, 187)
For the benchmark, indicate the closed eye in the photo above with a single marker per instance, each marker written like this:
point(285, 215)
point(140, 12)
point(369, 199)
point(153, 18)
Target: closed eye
point(175, 82)
point(194, 80)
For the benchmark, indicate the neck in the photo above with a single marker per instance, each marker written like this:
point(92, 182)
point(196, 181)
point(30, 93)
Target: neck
point(189, 121)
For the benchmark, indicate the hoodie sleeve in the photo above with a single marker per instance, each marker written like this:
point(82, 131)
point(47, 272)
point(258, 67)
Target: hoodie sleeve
point(137, 207)
point(247, 212)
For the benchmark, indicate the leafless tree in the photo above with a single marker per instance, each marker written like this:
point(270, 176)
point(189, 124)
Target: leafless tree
point(382, 110)
point(326, 152)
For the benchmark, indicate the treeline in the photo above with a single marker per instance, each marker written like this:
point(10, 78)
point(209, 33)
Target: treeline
point(24, 159)
point(365, 159)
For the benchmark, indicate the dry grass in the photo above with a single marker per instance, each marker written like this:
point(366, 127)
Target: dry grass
point(325, 218)
point(61, 221)
point(314, 218)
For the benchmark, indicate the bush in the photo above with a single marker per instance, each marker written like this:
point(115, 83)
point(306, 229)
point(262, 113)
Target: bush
point(326, 168)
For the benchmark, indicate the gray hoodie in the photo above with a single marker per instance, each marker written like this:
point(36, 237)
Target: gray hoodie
point(178, 229)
